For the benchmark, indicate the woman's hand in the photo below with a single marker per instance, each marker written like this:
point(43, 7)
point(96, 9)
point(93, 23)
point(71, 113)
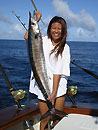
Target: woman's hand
point(52, 97)
point(38, 15)
point(26, 35)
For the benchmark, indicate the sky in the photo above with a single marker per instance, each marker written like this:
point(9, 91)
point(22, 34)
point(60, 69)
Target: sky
point(81, 17)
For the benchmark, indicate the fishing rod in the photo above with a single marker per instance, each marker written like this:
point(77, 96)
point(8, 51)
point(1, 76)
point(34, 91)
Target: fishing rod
point(18, 94)
point(36, 10)
point(18, 17)
point(87, 71)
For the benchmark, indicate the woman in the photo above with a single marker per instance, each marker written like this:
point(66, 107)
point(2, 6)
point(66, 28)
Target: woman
point(57, 57)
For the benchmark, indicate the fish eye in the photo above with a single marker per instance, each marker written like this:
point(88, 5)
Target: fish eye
point(32, 23)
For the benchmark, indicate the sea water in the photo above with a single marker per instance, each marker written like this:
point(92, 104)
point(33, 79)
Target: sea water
point(15, 61)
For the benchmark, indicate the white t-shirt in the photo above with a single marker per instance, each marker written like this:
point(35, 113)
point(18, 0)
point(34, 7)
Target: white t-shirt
point(54, 66)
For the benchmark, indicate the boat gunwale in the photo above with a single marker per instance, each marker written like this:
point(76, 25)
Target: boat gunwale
point(17, 115)
point(12, 115)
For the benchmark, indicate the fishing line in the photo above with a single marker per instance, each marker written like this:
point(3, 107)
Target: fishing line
point(24, 25)
point(18, 17)
point(37, 10)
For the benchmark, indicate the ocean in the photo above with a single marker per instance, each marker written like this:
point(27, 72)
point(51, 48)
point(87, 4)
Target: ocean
point(15, 61)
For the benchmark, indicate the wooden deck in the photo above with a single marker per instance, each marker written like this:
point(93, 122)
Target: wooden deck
point(11, 115)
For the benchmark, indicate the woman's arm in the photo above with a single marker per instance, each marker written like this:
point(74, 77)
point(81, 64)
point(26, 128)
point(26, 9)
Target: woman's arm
point(56, 79)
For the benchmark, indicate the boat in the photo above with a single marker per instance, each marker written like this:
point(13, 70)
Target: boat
point(86, 114)
point(81, 116)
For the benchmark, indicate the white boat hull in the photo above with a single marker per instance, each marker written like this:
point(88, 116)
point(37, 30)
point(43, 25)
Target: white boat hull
point(78, 122)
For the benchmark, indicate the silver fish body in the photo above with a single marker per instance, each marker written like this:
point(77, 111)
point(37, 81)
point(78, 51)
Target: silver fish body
point(37, 61)
point(36, 56)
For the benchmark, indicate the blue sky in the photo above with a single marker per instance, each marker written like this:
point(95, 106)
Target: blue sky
point(81, 17)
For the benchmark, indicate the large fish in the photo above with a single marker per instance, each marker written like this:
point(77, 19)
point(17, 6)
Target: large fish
point(36, 56)
point(37, 61)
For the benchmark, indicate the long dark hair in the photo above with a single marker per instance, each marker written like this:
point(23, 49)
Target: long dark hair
point(59, 47)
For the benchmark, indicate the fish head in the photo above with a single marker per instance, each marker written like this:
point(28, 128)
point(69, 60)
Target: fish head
point(34, 24)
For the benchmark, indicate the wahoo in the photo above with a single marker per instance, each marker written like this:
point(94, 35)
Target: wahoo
point(36, 56)
point(37, 61)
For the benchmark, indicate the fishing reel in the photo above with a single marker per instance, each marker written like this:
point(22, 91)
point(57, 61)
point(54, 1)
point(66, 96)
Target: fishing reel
point(72, 91)
point(19, 94)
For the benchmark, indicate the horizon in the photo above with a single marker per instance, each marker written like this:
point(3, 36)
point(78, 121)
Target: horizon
point(66, 41)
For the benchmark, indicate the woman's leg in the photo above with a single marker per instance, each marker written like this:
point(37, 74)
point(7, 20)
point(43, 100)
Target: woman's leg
point(43, 109)
point(59, 105)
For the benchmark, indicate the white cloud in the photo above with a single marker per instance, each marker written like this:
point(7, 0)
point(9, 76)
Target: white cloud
point(18, 28)
point(9, 30)
point(82, 20)
point(80, 32)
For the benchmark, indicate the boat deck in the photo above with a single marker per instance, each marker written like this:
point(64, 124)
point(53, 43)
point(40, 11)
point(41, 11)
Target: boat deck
point(12, 115)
